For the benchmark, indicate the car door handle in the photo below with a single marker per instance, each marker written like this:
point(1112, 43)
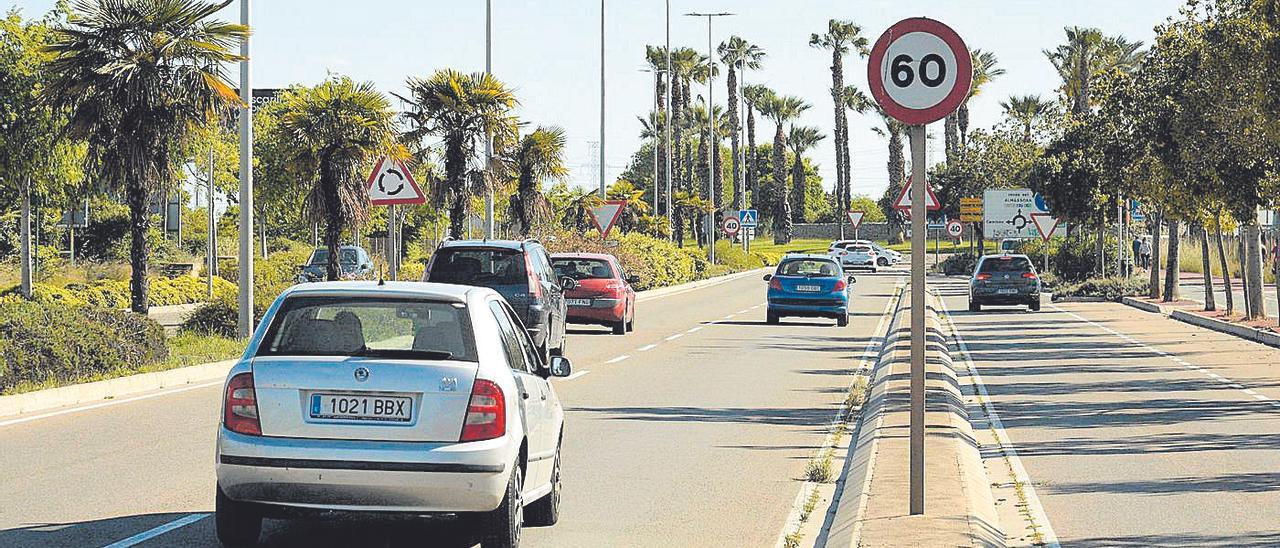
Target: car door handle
point(544, 396)
point(524, 395)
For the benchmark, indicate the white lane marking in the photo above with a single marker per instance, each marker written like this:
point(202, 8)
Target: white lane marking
point(1019, 472)
point(1215, 375)
point(1250, 392)
point(674, 337)
point(744, 311)
point(1260, 397)
point(578, 374)
point(642, 297)
point(153, 533)
point(694, 330)
point(646, 348)
point(730, 316)
point(1235, 386)
point(618, 359)
point(109, 403)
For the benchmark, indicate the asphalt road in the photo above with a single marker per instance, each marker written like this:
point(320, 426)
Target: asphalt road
point(692, 431)
point(1135, 430)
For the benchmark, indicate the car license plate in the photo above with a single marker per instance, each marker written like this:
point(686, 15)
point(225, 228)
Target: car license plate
point(362, 408)
point(809, 288)
point(1007, 291)
point(578, 302)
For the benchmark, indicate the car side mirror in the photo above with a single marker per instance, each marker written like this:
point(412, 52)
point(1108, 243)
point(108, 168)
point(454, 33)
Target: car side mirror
point(560, 366)
point(768, 277)
point(853, 279)
point(633, 279)
point(568, 283)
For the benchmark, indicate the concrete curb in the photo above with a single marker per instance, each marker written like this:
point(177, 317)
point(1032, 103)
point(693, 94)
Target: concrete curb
point(1262, 336)
point(960, 510)
point(53, 398)
point(675, 289)
point(1082, 300)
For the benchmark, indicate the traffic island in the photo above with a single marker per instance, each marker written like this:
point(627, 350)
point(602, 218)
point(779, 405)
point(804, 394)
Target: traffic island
point(873, 491)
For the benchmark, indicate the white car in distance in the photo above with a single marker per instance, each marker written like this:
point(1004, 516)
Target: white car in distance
point(400, 398)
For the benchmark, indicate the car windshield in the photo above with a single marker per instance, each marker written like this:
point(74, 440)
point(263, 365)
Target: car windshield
point(1005, 264)
point(582, 269)
point(478, 266)
point(807, 267)
point(370, 326)
point(320, 257)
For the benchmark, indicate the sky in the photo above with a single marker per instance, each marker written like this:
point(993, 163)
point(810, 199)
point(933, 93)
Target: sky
point(549, 51)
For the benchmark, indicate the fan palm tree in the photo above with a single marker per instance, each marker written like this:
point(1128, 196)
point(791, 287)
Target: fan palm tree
point(636, 208)
point(462, 110)
point(800, 139)
point(1026, 110)
point(577, 214)
point(840, 38)
point(685, 63)
point(754, 96)
point(1087, 53)
point(984, 71)
point(334, 131)
point(138, 79)
point(738, 55)
point(538, 156)
point(782, 110)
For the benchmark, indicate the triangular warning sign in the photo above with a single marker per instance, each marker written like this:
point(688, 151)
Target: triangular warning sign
point(391, 183)
point(607, 214)
point(855, 218)
point(931, 202)
point(1045, 223)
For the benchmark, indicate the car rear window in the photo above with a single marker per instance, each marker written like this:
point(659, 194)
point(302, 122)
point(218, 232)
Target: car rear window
point(859, 249)
point(583, 269)
point(1005, 264)
point(320, 257)
point(478, 266)
point(808, 267)
point(370, 326)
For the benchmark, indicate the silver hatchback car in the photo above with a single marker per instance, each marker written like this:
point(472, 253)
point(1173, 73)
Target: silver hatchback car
point(405, 398)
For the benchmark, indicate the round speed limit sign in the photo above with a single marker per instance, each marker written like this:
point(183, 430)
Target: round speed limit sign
point(920, 71)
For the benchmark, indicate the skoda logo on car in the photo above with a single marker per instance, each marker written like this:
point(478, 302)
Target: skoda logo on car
point(362, 374)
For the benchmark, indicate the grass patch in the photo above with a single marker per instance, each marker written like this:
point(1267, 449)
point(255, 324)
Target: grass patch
point(187, 348)
point(819, 469)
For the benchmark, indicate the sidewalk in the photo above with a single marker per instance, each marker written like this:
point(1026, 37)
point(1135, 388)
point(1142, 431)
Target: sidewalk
point(873, 509)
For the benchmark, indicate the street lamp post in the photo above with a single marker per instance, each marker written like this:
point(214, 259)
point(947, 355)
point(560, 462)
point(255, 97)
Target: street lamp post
point(602, 164)
point(488, 140)
point(246, 184)
point(713, 146)
point(657, 102)
point(670, 83)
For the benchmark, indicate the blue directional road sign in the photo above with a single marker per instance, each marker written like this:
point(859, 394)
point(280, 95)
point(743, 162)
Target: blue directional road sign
point(748, 218)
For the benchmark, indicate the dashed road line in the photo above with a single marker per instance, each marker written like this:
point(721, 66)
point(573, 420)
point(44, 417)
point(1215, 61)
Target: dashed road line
point(618, 359)
point(674, 337)
point(157, 531)
point(646, 348)
point(694, 330)
point(577, 375)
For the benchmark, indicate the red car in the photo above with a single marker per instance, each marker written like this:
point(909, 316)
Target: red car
point(604, 295)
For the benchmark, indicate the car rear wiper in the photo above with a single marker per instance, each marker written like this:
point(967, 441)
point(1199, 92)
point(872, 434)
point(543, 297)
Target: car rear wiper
point(404, 354)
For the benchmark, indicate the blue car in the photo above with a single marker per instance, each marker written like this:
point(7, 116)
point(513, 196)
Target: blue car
point(811, 286)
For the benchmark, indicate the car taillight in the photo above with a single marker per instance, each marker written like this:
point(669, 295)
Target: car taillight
point(775, 284)
point(486, 413)
point(535, 286)
point(1029, 275)
point(871, 253)
point(984, 276)
point(840, 285)
point(240, 412)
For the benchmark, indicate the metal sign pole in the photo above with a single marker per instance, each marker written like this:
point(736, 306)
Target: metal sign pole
point(393, 254)
point(918, 243)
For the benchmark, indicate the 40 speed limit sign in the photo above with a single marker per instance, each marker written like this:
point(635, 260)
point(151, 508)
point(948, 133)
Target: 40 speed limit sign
point(920, 71)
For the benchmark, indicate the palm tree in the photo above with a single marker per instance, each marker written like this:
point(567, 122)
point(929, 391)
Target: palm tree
point(656, 57)
point(841, 36)
point(800, 139)
point(984, 71)
point(1086, 54)
point(139, 78)
point(685, 64)
point(782, 110)
point(737, 54)
point(858, 102)
point(1026, 110)
point(334, 131)
point(538, 156)
point(577, 213)
point(636, 207)
point(754, 96)
point(894, 130)
point(462, 110)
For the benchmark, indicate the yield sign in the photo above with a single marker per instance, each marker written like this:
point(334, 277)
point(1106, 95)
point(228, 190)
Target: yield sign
point(931, 202)
point(391, 183)
point(1045, 223)
point(607, 214)
point(855, 218)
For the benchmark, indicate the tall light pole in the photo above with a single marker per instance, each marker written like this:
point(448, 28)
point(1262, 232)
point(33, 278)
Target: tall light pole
point(657, 102)
point(670, 176)
point(713, 146)
point(488, 140)
point(246, 184)
point(602, 164)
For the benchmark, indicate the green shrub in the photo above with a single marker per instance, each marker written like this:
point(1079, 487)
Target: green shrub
point(219, 318)
point(959, 264)
point(732, 256)
point(54, 343)
point(1111, 289)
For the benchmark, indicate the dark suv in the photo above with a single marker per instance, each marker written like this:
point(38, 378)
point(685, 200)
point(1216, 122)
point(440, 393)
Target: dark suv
point(520, 271)
point(1004, 280)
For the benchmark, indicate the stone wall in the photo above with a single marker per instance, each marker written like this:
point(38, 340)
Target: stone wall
point(823, 231)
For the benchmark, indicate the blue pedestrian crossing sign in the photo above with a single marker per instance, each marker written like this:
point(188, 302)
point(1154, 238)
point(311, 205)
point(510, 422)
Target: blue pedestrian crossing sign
point(748, 218)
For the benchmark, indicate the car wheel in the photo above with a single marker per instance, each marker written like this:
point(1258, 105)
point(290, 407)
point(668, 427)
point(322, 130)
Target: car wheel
point(631, 324)
point(545, 512)
point(882, 261)
point(236, 523)
point(619, 327)
point(842, 320)
point(502, 524)
point(1034, 306)
point(771, 318)
point(974, 306)
point(873, 270)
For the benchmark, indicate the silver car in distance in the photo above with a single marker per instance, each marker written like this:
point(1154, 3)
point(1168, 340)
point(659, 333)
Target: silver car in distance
point(402, 398)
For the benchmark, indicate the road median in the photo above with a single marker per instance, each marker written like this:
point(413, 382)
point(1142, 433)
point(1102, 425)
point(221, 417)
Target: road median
point(119, 387)
point(873, 507)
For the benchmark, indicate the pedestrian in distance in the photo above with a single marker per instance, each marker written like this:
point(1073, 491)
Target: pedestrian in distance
point(1145, 250)
point(1137, 250)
